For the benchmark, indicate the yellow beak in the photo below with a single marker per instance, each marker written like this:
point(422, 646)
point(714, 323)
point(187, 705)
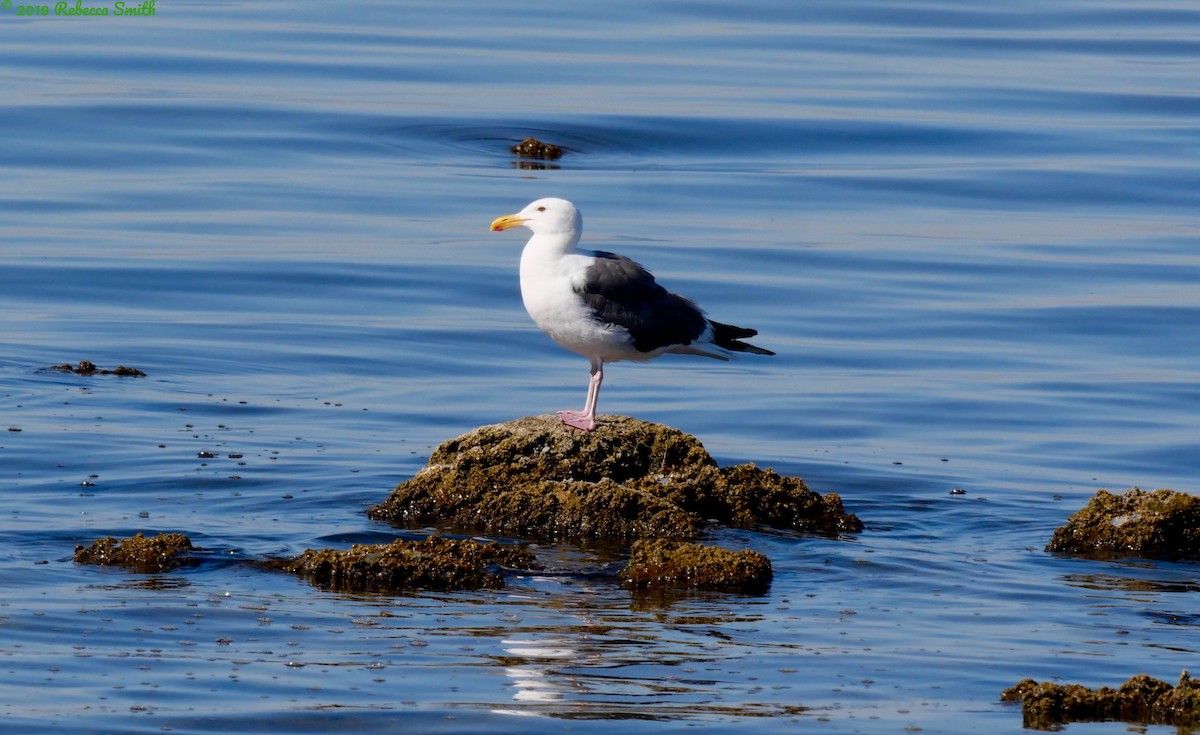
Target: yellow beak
point(507, 221)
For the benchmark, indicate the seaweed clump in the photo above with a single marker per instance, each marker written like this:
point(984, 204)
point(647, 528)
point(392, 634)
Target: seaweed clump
point(627, 480)
point(87, 367)
point(434, 563)
point(152, 555)
point(534, 148)
point(1155, 523)
point(1141, 700)
point(675, 564)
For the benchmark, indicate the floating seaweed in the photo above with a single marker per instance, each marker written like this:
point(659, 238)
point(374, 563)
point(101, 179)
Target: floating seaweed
point(534, 148)
point(87, 367)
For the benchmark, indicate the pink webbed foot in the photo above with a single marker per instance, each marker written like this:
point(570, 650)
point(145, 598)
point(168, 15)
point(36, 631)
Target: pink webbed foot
point(578, 420)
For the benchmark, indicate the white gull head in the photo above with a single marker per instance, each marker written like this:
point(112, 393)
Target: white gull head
point(551, 217)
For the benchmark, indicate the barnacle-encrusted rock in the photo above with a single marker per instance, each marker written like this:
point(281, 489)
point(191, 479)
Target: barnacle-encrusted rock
point(659, 564)
point(1156, 523)
point(534, 148)
point(1142, 700)
point(626, 480)
point(434, 564)
point(159, 553)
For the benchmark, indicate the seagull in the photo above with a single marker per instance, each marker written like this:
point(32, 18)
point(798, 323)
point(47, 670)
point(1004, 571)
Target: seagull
point(604, 306)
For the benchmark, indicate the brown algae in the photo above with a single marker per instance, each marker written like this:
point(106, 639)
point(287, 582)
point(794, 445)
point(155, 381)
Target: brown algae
point(534, 148)
point(435, 563)
point(628, 479)
point(152, 555)
point(87, 367)
point(1154, 523)
point(1142, 700)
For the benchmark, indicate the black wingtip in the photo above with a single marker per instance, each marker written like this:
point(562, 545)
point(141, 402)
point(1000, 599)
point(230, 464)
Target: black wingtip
point(752, 349)
point(728, 336)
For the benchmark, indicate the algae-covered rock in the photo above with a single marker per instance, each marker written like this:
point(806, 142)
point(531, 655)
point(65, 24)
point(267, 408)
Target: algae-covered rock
point(628, 479)
point(1156, 523)
point(746, 495)
point(152, 555)
point(657, 564)
point(430, 564)
point(1142, 700)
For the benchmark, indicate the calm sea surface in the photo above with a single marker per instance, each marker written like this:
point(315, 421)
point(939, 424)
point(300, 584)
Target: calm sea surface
point(971, 232)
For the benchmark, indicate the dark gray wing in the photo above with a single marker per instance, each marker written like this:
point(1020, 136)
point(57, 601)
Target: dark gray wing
point(622, 292)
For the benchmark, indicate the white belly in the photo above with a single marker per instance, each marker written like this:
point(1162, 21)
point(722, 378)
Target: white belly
point(548, 291)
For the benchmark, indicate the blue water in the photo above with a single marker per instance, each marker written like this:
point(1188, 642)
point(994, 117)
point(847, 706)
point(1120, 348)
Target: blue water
point(971, 232)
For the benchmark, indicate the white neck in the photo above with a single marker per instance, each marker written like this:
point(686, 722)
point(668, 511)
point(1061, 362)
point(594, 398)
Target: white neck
point(550, 246)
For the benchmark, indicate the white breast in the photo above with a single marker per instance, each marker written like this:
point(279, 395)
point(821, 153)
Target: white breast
point(548, 290)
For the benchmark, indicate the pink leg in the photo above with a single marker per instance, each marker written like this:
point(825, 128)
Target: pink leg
point(586, 419)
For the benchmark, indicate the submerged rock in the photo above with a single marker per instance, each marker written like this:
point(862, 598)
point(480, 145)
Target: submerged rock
point(626, 480)
point(87, 367)
point(658, 564)
point(1142, 700)
point(160, 553)
point(534, 148)
point(1156, 523)
point(431, 564)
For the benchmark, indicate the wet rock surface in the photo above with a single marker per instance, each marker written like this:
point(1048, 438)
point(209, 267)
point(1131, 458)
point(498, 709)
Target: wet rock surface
point(534, 148)
point(87, 367)
point(1139, 522)
point(1142, 700)
point(630, 487)
point(677, 564)
point(627, 480)
point(160, 553)
point(431, 564)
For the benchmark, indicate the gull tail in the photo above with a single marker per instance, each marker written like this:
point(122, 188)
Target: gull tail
point(729, 336)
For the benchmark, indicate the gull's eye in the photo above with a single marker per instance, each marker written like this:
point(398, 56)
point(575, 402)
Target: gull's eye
point(541, 209)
